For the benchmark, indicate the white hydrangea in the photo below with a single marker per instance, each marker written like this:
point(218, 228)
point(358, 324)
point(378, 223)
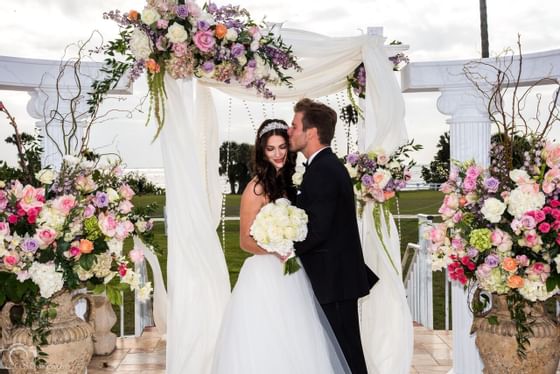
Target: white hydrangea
point(132, 279)
point(523, 200)
point(51, 217)
point(102, 266)
point(535, 290)
point(278, 225)
point(82, 273)
point(47, 278)
point(140, 45)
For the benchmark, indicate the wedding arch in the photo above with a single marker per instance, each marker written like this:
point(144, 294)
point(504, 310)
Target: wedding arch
point(198, 283)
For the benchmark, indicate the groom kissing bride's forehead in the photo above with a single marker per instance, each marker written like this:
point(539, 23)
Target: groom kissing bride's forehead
point(331, 254)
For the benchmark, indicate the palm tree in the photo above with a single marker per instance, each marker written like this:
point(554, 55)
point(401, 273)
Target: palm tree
point(484, 29)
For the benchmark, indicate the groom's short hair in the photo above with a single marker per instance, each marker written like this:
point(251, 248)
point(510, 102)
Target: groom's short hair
point(317, 115)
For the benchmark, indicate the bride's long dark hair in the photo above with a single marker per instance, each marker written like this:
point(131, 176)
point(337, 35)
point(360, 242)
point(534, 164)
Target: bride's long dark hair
point(275, 184)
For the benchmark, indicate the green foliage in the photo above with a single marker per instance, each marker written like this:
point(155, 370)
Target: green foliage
point(438, 170)
point(32, 151)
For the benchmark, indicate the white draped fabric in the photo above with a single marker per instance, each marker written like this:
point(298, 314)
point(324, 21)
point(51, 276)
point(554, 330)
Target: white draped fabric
point(198, 283)
point(385, 319)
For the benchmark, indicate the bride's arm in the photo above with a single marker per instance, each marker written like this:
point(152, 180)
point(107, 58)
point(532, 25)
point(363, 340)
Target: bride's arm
point(252, 201)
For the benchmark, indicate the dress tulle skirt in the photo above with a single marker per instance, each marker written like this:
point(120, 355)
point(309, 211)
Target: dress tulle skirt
point(273, 324)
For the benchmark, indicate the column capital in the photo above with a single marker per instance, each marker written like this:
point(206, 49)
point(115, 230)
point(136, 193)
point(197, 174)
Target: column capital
point(463, 104)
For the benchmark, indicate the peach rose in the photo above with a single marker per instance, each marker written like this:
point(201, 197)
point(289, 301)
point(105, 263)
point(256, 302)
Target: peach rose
point(220, 31)
point(152, 65)
point(509, 264)
point(132, 15)
point(86, 246)
point(515, 281)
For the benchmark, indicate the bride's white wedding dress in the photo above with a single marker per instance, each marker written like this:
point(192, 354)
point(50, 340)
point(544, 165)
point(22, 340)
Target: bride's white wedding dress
point(273, 324)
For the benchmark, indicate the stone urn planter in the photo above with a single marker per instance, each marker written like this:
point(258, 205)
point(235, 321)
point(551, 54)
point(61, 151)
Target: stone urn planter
point(70, 345)
point(498, 347)
point(104, 341)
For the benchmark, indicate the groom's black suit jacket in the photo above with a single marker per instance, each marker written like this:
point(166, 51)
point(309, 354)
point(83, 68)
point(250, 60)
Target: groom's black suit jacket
point(332, 254)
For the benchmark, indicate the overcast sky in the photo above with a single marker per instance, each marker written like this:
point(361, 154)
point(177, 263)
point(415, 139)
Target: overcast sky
point(435, 30)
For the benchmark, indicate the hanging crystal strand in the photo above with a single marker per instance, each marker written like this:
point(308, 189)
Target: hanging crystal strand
point(398, 218)
point(263, 106)
point(334, 145)
point(227, 176)
point(272, 115)
point(251, 119)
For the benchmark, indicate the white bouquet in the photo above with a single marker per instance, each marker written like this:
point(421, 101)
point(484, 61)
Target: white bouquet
point(277, 226)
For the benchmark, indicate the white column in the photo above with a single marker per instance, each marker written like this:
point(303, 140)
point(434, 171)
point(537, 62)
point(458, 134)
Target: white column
point(60, 136)
point(470, 139)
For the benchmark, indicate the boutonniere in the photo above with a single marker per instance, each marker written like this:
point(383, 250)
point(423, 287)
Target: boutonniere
point(297, 177)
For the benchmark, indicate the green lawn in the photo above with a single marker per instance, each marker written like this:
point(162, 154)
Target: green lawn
point(410, 202)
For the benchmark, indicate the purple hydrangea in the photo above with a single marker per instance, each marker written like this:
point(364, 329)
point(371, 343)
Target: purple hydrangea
point(212, 8)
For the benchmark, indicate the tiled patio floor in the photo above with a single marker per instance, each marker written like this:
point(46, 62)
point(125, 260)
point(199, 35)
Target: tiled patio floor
point(146, 354)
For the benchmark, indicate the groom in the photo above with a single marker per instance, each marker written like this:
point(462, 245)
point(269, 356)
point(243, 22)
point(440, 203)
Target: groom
point(331, 254)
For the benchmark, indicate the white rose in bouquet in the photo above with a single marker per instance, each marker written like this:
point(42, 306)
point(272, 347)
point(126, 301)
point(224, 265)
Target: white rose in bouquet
point(277, 226)
point(45, 176)
point(493, 209)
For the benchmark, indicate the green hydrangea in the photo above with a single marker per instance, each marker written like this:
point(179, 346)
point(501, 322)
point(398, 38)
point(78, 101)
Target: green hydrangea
point(480, 239)
point(92, 228)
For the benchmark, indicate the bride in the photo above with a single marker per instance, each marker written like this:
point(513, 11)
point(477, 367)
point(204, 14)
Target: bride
point(273, 323)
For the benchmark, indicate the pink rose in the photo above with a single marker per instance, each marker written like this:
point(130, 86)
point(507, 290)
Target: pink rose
point(64, 204)
point(45, 236)
point(12, 219)
point(126, 192)
point(538, 271)
point(528, 222)
point(522, 260)
point(497, 237)
point(3, 200)
point(469, 184)
point(446, 188)
point(31, 197)
point(125, 206)
point(162, 23)
point(4, 229)
point(457, 217)
point(89, 211)
point(136, 255)
point(10, 261)
point(204, 40)
point(544, 227)
point(107, 224)
point(552, 154)
point(123, 229)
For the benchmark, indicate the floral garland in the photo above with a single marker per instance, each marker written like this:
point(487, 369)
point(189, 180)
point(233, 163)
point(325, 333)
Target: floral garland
point(185, 40)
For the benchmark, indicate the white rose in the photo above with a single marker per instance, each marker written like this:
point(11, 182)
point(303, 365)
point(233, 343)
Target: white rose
point(112, 195)
point(141, 226)
point(255, 45)
point(520, 176)
point(115, 247)
point(45, 176)
point(132, 279)
point(351, 170)
point(231, 34)
point(493, 209)
point(2, 184)
point(150, 16)
point(176, 33)
point(242, 60)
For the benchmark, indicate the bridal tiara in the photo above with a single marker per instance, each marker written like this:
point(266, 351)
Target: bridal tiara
point(275, 125)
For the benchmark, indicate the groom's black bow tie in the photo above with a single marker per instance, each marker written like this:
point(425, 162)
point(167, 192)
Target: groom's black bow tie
point(305, 164)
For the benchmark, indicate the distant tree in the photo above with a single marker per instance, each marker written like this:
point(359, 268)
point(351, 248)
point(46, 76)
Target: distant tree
point(239, 168)
point(438, 170)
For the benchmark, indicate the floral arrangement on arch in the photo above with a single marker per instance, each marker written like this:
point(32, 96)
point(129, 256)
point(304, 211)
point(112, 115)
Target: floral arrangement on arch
point(64, 232)
point(501, 225)
point(186, 40)
point(377, 176)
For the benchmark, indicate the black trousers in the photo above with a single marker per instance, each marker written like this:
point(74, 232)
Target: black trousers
point(344, 320)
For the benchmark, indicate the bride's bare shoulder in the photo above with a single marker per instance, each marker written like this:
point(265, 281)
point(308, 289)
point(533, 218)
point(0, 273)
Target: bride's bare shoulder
point(253, 192)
